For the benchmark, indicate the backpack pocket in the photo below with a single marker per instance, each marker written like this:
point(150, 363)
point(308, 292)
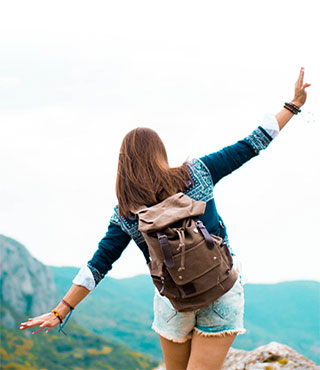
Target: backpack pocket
point(203, 268)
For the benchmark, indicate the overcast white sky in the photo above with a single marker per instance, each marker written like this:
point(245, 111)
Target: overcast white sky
point(75, 76)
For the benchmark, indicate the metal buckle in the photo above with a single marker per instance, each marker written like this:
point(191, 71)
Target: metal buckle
point(162, 236)
point(199, 223)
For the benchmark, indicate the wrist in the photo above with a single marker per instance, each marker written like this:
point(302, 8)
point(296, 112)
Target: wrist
point(62, 309)
point(296, 103)
point(294, 109)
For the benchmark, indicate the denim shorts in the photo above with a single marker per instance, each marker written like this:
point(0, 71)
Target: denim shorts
point(223, 316)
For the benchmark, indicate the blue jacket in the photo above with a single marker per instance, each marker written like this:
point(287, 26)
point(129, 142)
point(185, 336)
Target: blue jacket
point(206, 172)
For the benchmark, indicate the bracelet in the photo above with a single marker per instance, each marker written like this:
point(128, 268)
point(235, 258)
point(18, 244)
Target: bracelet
point(295, 107)
point(292, 107)
point(56, 313)
point(67, 304)
point(289, 109)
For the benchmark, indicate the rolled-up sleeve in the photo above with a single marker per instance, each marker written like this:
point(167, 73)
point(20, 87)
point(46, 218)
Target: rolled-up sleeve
point(271, 125)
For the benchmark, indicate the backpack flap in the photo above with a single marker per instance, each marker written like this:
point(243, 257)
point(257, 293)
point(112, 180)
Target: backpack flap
point(169, 211)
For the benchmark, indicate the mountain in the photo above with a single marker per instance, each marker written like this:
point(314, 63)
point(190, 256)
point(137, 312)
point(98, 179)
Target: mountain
point(286, 312)
point(25, 283)
point(27, 289)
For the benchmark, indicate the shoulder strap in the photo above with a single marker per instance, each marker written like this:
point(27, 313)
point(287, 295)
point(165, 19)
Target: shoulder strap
point(205, 234)
point(165, 247)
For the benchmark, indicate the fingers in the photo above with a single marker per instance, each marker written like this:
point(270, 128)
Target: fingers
point(31, 323)
point(46, 320)
point(301, 75)
point(306, 85)
point(45, 324)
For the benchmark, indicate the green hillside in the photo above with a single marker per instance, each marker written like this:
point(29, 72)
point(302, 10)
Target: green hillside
point(78, 350)
point(121, 310)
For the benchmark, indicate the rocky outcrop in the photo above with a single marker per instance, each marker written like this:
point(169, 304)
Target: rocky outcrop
point(272, 356)
point(26, 285)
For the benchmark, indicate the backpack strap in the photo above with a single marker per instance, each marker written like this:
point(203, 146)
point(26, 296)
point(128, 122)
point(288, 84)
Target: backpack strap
point(222, 230)
point(165, 247)
point(205, 234)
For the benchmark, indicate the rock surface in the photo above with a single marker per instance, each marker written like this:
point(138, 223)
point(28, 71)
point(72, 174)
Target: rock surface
point(272, 356)
point(27, 286)
point(269, 357)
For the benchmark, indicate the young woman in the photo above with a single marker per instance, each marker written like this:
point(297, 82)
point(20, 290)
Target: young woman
point(190, 340)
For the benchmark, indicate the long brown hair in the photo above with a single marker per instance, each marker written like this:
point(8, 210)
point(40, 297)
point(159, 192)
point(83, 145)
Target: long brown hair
point(144, 175)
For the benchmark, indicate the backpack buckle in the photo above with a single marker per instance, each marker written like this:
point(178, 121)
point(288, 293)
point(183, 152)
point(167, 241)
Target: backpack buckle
point(161, 236)
point(199, 224)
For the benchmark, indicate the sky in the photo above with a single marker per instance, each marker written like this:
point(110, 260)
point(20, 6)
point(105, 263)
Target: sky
point(76, 76)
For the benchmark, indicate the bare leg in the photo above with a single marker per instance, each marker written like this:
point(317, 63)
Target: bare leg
point(176, 355)
point(209, 352)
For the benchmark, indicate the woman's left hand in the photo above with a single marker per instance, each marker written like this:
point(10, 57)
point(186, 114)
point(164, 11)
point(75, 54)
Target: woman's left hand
point(300, 94)
point(47, 320)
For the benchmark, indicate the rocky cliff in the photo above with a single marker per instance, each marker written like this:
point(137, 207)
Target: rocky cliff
point(26, 285)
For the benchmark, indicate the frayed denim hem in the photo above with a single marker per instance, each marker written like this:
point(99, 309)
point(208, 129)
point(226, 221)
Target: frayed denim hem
point(220, 333)
point(165, 336)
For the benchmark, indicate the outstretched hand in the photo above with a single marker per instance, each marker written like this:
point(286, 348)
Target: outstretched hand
point(300, 94)
point(47, 320)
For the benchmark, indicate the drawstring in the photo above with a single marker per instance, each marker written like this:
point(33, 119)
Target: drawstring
point(182, 246)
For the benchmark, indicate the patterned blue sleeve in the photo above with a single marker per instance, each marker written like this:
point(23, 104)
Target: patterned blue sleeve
point(109, 250)
point(259, 139)
point(225, 161)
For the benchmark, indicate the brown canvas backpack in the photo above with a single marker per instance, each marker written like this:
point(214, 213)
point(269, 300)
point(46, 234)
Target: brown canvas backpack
point(188, 265)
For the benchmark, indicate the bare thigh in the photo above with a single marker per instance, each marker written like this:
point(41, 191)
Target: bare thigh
point(209, 352)
point(176, 355)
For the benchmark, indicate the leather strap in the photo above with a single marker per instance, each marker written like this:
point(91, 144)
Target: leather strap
point(164, 245)
point(205, 234)
point(222, 231)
